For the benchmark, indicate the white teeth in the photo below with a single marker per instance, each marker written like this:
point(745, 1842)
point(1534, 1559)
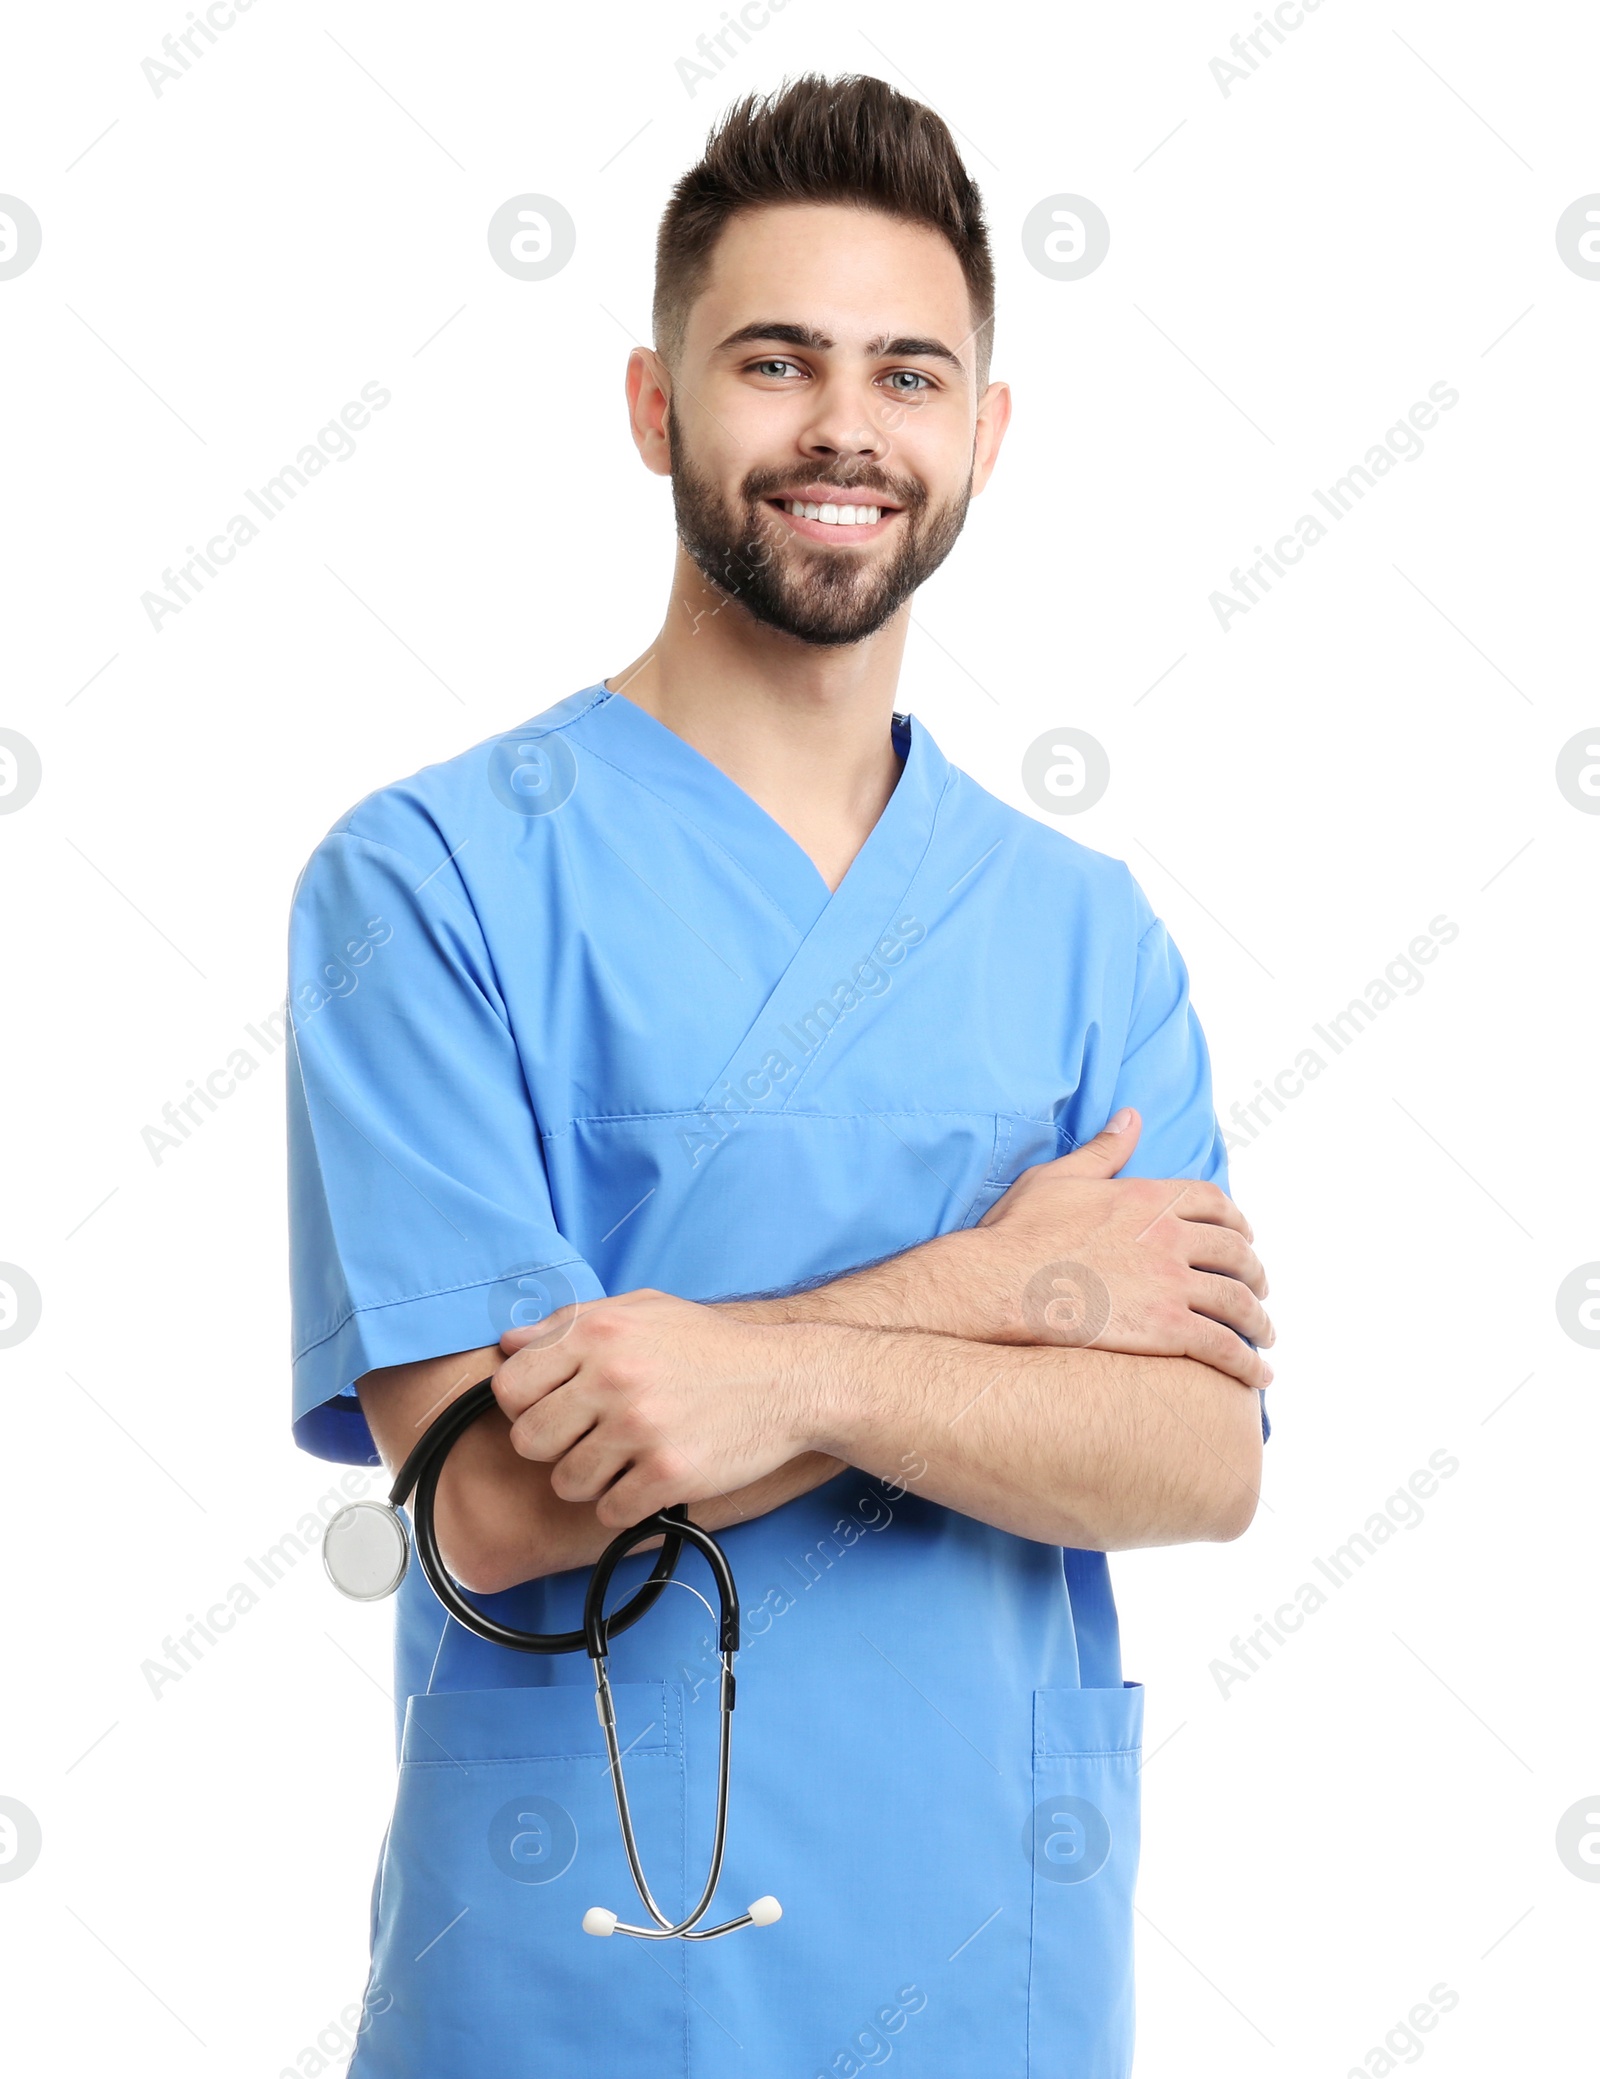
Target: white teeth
point(837, 515)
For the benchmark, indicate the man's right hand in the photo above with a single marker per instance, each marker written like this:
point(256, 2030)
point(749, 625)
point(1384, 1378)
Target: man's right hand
point(1161, 1267)
point(499, 1521)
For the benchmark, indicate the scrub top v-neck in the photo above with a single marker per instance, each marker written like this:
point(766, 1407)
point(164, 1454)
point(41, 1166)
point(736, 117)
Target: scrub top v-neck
point(573, 1015)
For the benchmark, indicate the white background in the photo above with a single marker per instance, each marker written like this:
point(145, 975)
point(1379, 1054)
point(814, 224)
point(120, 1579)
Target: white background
point(1292, 265)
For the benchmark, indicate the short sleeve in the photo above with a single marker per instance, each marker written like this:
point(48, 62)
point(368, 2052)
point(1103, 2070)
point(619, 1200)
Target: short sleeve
point(419, 1210)
point(1166, 1074)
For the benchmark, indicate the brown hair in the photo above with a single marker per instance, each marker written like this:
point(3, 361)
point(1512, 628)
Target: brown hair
point(852, 139)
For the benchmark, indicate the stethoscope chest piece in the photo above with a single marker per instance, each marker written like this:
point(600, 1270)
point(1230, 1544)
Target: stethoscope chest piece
point(366, 1551)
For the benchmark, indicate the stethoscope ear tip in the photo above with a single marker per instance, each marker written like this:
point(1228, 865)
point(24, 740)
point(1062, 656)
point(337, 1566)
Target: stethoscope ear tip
point(599, 1920)
point(765, 1911)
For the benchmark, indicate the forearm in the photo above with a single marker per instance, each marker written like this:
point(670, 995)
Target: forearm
point(957, 1284)
point(1079, 1447)
point(498, 1518)
point(512, 1526)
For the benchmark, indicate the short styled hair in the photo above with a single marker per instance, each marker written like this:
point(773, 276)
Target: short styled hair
point(854, 140)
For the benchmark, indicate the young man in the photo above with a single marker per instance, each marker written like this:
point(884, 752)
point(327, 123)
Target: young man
point(716, 980)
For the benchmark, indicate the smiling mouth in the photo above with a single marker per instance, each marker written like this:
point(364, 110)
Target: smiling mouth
point(838, 522)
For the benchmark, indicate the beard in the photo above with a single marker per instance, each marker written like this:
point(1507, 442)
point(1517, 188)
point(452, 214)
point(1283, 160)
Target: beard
point(818, 595)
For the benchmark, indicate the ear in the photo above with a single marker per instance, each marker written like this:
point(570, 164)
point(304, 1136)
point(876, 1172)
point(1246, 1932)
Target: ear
point(649, 385)
point(994, 415)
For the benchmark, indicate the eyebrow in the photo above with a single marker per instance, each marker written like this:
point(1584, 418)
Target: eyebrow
point(819, 342)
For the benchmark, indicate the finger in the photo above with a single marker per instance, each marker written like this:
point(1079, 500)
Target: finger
point(552, 1329)
point(532, 1372)
point(1225, 1299)
point(1228, 1255)
point(589, 1468)
point(553, 1425)
point(625, 1503)
point(1096, 1159)
point(654, 1481)
point(1225, 1352)
point(1208, 1203)
point(1107, 1152)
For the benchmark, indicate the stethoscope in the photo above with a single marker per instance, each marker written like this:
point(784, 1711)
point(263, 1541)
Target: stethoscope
point(366, 1552)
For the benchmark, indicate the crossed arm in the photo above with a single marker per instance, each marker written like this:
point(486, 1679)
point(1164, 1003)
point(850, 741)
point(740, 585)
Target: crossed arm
point(962, 1369)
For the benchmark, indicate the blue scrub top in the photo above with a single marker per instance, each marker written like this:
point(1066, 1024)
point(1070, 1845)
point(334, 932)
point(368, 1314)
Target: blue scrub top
point(573, 1015)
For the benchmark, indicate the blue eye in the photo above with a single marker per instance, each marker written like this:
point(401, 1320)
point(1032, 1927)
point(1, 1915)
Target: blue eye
point(916, 376)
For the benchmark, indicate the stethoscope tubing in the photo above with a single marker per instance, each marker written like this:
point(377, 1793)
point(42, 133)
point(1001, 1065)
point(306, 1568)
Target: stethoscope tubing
point(597, 1632)
point(417, 1482)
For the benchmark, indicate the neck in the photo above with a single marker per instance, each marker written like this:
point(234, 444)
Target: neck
point(804, 730)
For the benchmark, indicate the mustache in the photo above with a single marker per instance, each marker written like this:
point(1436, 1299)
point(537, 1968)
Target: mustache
point(768, 483)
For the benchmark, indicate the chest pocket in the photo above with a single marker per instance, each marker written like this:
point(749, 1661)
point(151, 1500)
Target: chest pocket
point(707, 1204)
point(1018, 1144)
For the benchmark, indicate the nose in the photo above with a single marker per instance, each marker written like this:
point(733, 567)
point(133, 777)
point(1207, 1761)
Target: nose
point(845, 426)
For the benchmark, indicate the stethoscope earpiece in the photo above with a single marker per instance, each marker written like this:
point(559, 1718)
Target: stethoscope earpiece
point(600, 1920)
point(366, 1551)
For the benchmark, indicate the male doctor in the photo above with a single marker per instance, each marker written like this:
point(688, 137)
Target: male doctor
point(794, 1130)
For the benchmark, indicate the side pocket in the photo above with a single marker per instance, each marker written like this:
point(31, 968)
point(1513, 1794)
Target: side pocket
point(372, 2000)
point(1084, 1847)
point(504, 1832)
